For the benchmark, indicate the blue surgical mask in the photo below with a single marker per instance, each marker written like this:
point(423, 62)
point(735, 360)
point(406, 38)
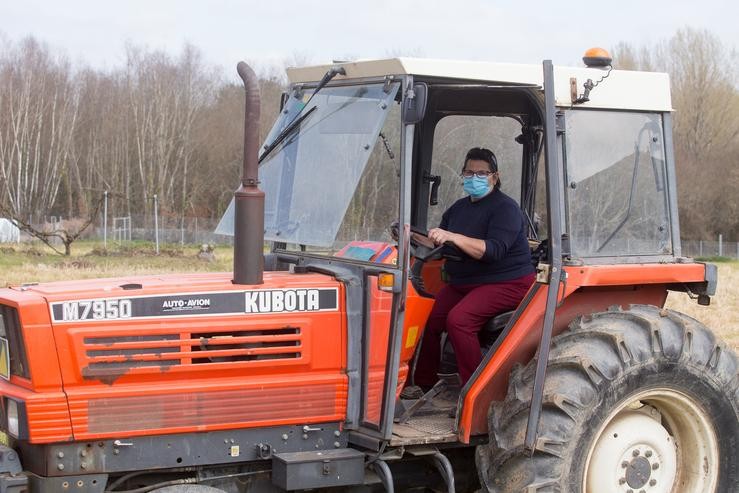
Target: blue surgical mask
point(475, 186)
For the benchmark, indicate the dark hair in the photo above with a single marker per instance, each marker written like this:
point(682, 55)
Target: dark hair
point(482, 154)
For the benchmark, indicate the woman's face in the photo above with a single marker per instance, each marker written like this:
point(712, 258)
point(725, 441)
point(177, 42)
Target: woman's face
point(481, 167)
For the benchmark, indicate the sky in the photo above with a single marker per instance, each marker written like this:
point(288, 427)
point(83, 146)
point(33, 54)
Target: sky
point(279, 32)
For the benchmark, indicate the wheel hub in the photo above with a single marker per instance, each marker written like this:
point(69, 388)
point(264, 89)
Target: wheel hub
point(634, 454)
point(638, 472)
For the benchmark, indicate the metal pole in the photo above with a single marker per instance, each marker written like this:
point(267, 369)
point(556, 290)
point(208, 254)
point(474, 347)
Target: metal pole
point(700, 248)
point(156, 222)
point(105, 220)
point(720, 245)
point(554, 216)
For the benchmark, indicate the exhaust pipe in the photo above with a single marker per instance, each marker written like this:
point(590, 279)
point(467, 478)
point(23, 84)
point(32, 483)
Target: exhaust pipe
point(249, 200)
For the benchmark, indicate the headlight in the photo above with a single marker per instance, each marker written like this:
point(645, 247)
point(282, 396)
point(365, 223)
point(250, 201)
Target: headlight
point(13, 421)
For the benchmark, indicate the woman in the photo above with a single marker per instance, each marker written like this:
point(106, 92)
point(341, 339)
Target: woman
point(489, 227)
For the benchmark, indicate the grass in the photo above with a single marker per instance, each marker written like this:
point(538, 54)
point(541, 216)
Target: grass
point(33, 263)
point(723, 314)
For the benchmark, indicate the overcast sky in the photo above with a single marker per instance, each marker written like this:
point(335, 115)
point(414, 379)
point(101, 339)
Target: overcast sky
point(272, 32)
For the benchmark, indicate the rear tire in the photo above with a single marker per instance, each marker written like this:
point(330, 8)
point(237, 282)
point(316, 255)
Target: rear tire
point(642, 400)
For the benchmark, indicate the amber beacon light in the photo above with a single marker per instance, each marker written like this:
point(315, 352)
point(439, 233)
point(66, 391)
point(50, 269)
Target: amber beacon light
point(597, 57)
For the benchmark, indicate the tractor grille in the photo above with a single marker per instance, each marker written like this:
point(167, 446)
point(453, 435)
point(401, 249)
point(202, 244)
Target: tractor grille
point(106, 354)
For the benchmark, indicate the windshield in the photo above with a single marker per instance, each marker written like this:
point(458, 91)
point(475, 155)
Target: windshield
point(617, 190)
point(312, 175)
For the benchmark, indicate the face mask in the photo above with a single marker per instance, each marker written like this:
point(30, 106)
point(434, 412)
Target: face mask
point(476, 187)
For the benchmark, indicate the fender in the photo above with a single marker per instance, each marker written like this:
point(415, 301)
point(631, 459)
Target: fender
point(588, 289)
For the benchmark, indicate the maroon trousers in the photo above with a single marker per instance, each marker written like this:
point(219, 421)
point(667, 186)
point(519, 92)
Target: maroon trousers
point(462, 310)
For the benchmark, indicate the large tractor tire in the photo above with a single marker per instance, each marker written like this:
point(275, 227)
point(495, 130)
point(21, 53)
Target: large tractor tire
point(644, 400)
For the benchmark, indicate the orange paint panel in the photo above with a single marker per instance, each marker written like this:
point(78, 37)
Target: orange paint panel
point(47, 413)
point(38, 341)
point(416, 314)
point(431, 275)
point(635, 274)
point(186, 373)
point(242, 406)
point(48, 420)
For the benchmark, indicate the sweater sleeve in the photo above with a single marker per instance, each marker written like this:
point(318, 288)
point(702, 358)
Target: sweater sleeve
point(503, 229)
point(444, 224)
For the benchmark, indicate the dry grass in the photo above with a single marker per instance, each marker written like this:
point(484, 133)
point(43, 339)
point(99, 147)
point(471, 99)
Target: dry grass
point(33, 264)
point(27, 264)
point(723, 314)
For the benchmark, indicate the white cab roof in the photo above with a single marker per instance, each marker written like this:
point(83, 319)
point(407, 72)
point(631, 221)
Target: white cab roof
point(623, 90)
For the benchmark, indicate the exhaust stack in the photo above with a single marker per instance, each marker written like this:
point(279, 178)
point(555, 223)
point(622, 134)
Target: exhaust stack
point(249, 200)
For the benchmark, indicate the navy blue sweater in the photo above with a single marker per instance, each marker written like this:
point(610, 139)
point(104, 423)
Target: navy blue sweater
point(497, 219)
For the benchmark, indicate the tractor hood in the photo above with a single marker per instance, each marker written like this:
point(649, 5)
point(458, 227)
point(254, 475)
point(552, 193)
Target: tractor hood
point(114, 358)
point(180, 295)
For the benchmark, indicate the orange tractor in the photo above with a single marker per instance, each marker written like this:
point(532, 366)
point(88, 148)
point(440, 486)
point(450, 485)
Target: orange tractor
point(287, 374)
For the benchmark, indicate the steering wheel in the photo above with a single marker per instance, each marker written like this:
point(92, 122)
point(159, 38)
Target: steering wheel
point(424, 249)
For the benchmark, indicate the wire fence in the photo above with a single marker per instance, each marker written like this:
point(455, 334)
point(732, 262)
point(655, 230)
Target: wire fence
point(182, 230)
point(710, 248)
point(118, 230)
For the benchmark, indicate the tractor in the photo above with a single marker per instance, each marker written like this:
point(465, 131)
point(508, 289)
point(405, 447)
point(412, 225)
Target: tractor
point(289, 373)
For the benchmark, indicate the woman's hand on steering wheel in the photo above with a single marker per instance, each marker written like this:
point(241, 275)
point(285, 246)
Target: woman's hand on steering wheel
point(420, 237)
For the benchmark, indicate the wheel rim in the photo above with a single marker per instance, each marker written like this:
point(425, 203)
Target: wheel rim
point(656, 441)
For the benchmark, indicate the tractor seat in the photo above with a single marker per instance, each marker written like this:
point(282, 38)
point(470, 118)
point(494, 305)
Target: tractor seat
point(492, 329)
point(487, 336)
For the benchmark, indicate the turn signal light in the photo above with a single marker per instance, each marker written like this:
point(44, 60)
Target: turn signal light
point(13, 418)
point(385, 282)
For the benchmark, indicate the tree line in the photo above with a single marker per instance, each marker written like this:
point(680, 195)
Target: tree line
point(705, 96)
point(172, 126)
point(160, 125)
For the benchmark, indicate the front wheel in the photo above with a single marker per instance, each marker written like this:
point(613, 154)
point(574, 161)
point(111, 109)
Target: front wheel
point(635, 401)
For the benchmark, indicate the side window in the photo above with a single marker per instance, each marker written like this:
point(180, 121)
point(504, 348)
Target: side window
point(617, 196)
point(454, 136)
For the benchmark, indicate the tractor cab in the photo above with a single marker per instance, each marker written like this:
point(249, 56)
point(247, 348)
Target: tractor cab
point(366, 156)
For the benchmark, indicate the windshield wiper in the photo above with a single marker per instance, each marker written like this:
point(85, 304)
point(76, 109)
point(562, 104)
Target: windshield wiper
point(285, 133)
point(295, 122)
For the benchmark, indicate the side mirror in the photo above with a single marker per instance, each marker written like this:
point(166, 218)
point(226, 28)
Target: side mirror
point(414, 108)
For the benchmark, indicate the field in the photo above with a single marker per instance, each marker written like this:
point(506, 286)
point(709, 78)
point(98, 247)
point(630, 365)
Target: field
point(27, 264)
point(723, 314)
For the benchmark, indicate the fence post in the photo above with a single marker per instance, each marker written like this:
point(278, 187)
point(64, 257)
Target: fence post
point(700, 248)
point(720, 245)
point(156, 222)
point(182, 231)
point(105, 220)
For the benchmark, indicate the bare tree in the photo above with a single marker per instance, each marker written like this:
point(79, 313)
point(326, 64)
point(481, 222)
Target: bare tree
point(66, 232)
point(703, 74)
point(40, 102)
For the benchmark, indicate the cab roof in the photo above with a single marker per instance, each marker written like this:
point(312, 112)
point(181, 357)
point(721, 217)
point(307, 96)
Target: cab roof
point(621, 90)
